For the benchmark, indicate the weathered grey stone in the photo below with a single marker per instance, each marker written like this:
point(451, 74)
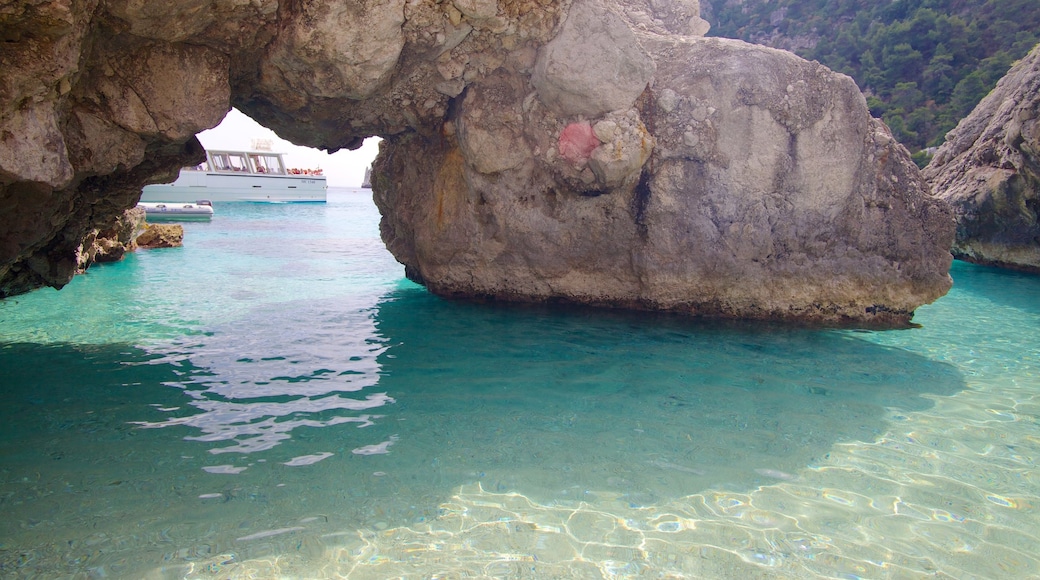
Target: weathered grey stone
point(792, 203)
point(665, 17)
point(32, 148)
point(112, 243)
point(87, 116)
point(336, 49)
point(38, 63)
point(162, 90)
point(490, 126)
point(169, 21)
point(100, 146)
point(477, 10)
point(594, 66)
point(988, 170)
point(626, 148)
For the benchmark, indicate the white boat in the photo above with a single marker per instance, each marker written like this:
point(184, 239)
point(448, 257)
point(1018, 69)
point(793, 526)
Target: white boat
point(241, 176)
point(160, 211)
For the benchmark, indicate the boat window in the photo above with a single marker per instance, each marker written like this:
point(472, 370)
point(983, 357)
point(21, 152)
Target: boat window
point(264, 163)
point(229, 162)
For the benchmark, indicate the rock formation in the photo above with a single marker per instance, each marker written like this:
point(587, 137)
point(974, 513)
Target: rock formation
point(112, 244)
point(743, 182)
point(989, 171)
point(576, 151)
point(161, 236)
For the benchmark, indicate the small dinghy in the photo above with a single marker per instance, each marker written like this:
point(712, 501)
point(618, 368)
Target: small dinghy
point(200, 210)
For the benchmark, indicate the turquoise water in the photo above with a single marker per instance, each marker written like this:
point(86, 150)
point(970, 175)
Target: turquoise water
point(275, 400)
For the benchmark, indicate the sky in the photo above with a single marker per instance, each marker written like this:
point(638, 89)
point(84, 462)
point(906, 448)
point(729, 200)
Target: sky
point(342, 169)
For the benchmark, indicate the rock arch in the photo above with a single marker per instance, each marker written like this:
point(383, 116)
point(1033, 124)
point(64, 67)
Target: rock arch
point(586, 151)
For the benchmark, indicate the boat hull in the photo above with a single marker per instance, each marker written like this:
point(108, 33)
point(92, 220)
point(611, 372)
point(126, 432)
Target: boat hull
point(175, 211)
point(195, 185)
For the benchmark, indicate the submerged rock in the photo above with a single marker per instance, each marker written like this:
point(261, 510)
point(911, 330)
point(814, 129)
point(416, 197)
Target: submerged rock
point(581, 151)
point(989, 171)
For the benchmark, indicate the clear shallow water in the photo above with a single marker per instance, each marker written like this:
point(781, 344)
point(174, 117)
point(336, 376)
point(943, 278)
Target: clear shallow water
point(274, 400)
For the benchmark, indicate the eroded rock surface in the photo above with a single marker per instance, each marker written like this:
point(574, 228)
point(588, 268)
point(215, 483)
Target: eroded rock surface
point(110, 245)
point(161, 236)
point(582, 151)
point(989, 171)
point(743, 182)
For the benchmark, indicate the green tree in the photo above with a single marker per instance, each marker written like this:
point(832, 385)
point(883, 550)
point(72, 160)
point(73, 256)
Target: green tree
point(897, 124)
point(901, 63)
point(870, 73)
point(906, 96)
point(937, 78)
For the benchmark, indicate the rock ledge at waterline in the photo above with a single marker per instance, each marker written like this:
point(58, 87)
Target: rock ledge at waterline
point(586, 152)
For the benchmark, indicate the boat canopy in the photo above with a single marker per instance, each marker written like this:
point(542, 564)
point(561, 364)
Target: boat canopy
point(249, 162)
point(244, 162)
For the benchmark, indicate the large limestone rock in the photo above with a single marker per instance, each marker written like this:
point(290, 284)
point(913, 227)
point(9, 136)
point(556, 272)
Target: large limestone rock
point(746, 183)
point(989, 171)
point(580, 151)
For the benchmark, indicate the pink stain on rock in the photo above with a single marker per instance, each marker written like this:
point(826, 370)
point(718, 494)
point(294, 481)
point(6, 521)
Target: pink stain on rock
point(577, 142)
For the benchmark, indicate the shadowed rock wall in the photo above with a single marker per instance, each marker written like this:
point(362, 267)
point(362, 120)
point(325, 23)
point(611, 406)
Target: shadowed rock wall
point(582, 151)
point(989, 171)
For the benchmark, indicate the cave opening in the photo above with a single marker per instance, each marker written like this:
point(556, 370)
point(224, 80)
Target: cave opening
point(344, 168)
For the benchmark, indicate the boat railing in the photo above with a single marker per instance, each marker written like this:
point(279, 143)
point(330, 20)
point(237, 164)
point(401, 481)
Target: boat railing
point(251, 163)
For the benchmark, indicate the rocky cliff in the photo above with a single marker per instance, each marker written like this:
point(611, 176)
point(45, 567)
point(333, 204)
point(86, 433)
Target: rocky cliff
point(989, 171)
point(582, 151)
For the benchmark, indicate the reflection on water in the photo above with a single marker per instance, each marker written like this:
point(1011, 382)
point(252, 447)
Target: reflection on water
point(255, 426)
point(258, 379)
point(338, 422)
point(649, 406)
